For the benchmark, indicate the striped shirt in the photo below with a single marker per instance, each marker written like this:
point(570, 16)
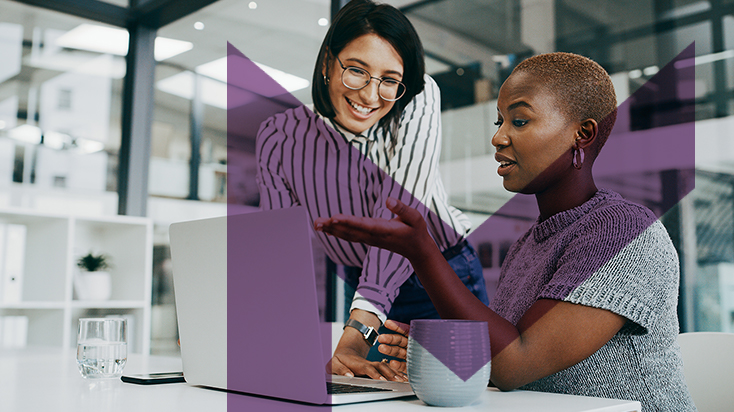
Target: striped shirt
point(305, 159)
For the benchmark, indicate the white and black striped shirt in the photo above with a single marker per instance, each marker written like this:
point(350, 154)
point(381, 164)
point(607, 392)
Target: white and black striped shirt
point(304, 160)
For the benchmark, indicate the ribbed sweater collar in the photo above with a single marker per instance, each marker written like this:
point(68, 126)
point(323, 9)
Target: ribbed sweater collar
point(554, 224)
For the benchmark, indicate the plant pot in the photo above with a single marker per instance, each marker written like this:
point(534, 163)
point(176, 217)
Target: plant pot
point(93, 285)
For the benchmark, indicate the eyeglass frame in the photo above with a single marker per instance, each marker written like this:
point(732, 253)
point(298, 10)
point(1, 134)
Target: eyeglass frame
point(344, 70)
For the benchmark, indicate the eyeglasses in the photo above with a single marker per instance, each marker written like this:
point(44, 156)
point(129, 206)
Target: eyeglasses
point(357, 78)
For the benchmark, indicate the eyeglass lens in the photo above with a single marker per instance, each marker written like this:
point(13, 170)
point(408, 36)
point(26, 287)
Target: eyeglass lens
point(388, 89)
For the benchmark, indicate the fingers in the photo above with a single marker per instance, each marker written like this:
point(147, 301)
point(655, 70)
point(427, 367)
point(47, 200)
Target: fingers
point(354, 366)
point(344, 232)
point(401, 367)
point(343, 226)
point(394, 351)
point(395, 205)
point(319, 222)
point(387, 371)
point(399, 327)
point(407, 214)
point(336, 367)
point(393, 339)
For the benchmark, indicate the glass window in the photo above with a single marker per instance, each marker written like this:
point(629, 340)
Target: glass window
point(728, 23)
point(578, 20)
point(284, 35)
point(59, 111)
point(714, 278)
point(266, 33)
point(121, 3)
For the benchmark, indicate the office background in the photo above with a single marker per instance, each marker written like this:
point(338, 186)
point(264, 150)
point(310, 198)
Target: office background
point(89, 133)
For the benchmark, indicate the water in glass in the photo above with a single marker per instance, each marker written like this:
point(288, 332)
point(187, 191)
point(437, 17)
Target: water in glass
point(98, 358)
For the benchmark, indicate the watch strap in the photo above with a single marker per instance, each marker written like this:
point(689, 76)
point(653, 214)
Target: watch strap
point(368, 332)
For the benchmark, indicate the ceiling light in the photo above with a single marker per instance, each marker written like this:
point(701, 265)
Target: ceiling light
point(252, 5)
point(213, 93)
point(635, 74)
point(214, 82)
point(26, 133)
point(166, 48)
point(87, 146)
point(199, 25)
point(2, 124)
point(323, 21)
point(650, 71)
point(110, 40)
point(217, 69)
point(289, 81)
point(55, 140)
point(706, 58)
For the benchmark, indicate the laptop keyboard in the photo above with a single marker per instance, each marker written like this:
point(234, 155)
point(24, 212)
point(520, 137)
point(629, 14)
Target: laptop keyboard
point(339, 388)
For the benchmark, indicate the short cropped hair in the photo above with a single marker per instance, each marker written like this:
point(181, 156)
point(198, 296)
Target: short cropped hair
point(360, 17)
point(582, 88)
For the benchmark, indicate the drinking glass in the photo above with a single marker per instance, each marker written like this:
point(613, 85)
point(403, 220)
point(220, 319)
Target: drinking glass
point(101, 347)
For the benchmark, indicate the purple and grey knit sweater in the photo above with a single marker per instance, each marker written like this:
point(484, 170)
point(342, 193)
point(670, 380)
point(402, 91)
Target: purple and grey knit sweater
point(612, 254)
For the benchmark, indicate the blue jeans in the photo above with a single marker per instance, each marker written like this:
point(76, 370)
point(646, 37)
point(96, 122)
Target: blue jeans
point(413, 301)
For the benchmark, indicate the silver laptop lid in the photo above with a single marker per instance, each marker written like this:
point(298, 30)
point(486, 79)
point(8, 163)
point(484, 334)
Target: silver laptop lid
point(251, 275)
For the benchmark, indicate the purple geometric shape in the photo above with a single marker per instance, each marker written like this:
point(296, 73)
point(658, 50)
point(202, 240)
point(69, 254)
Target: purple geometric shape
point(252, 96)
point(256, 269)
point(661, 158)
point(461, 345)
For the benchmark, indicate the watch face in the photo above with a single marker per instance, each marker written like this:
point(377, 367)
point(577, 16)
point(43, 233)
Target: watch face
point(371, 336)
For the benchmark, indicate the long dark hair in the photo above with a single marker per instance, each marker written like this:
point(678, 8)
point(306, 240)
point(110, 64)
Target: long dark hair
point(360, 17)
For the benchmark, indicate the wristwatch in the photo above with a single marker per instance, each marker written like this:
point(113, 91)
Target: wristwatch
point(368, 332)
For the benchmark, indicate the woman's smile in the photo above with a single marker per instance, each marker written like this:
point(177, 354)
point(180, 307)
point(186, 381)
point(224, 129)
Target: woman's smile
point(358, 110)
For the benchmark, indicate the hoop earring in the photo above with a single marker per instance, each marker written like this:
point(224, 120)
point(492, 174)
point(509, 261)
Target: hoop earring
point(578, 158)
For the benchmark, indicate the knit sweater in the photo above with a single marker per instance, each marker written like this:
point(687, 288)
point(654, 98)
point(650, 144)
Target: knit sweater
point(611, 254)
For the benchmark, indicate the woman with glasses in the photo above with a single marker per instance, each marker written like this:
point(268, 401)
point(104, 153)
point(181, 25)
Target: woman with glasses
point(375, 133)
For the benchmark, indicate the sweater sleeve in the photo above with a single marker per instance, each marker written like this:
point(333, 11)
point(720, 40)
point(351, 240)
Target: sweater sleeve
point(623, 261)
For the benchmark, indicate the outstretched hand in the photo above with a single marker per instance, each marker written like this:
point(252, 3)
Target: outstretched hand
point(398, 235)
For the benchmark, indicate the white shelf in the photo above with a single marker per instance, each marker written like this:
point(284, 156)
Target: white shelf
point(53, 244)
point(35, 305)
point(109, 304)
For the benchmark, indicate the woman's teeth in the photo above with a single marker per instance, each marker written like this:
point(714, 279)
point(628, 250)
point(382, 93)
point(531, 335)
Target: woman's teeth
point(361, 109)
point(505, 164)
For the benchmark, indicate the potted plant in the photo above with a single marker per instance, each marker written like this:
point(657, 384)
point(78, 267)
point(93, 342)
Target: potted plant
point(93, 281)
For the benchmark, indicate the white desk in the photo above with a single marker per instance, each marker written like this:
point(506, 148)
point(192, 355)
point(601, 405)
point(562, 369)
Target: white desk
point(47, 379)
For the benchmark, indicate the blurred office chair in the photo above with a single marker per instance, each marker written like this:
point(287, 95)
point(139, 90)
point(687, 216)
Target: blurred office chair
point(708, 364)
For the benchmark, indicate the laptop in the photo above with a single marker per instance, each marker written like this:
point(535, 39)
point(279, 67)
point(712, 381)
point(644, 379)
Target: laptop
point(248, 311)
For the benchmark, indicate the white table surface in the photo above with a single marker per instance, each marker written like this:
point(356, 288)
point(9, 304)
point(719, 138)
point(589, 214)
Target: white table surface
point(47, 379)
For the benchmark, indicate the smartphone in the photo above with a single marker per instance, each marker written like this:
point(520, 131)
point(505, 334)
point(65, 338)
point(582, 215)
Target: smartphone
point(154, 378)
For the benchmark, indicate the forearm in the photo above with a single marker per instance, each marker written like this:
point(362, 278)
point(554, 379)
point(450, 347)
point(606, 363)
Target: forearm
point(551, 335)
point(352, 340)
point(454, 301)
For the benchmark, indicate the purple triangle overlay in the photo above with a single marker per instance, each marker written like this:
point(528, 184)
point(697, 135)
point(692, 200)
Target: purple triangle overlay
point(651, 145)
point(461, 345)
point(252, 97)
